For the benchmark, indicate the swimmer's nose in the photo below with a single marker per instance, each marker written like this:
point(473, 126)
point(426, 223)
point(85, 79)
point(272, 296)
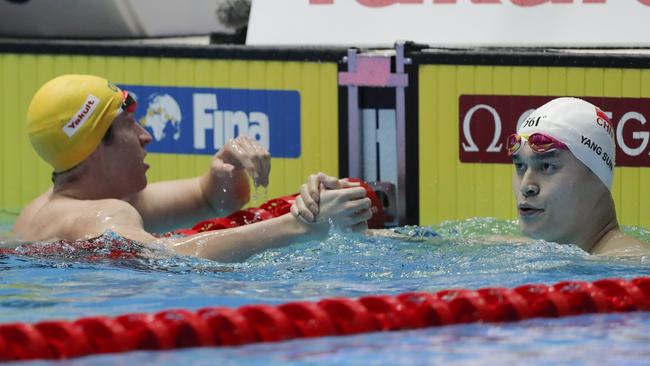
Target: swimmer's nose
point(528, 184)
point(145, 136)
point(530, 190)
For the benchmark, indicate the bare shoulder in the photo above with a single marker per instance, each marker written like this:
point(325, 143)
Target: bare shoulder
point(624, 246)
point(29, 223)
point(71, 219)
point(28, 212)
point(93, 218)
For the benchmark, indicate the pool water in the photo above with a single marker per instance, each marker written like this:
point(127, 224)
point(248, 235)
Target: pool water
point(69, 286)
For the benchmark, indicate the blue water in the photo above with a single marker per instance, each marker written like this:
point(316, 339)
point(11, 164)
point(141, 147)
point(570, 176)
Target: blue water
point(68, 287)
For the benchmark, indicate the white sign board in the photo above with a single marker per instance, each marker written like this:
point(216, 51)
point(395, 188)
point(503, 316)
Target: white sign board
point(586, 23)
point(109, 18)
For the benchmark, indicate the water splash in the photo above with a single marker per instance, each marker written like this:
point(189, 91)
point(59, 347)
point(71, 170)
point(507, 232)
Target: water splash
point(65, 283)
point(352, 264)
point(260, 193)
point(111, 249)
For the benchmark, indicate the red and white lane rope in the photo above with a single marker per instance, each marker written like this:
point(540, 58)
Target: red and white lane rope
point(220, 326)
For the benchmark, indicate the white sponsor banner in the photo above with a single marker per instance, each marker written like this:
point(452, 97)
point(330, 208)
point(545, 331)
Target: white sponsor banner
point(587, 23)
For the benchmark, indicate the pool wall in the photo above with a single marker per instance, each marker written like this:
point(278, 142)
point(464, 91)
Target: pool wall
point(454, 185)
point(442, 183)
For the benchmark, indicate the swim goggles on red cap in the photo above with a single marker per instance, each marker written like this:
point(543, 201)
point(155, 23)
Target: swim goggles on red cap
point(538, 142)
point(129, 103)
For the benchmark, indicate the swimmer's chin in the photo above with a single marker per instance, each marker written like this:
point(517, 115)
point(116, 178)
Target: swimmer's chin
point(540, 234)
point(533, 233)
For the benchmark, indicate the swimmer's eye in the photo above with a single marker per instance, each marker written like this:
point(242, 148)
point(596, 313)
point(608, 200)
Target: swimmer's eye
point(548, 167)
point(519, 167)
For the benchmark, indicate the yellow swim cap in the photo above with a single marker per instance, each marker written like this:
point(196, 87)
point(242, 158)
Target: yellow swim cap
point(68, 117)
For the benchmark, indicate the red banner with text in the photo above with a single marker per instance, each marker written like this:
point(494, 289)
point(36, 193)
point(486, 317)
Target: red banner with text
point(485, 121)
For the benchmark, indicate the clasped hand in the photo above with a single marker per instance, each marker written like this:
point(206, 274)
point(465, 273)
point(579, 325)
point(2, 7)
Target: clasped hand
point(324, 198)
point(243, 153)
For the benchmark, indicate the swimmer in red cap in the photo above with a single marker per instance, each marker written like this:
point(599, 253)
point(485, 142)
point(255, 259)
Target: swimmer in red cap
point(84, 127)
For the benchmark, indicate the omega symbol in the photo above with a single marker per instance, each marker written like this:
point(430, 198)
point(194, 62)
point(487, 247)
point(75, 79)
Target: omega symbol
point(471, 146)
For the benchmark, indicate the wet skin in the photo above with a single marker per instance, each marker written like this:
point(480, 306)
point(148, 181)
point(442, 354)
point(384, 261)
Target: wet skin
point(558, 198)
point(125, 153)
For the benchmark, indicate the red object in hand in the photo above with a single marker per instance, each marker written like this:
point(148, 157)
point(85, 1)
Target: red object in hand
point(377, 220)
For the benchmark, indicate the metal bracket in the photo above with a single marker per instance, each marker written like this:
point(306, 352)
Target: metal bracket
point(373, 69)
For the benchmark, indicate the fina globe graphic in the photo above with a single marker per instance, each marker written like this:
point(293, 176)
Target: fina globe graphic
point(199, 121)
point(163, 117)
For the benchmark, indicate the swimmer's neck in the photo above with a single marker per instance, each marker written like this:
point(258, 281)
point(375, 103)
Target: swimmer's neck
point(600, 238)
point(82, 188)
point(599, 228)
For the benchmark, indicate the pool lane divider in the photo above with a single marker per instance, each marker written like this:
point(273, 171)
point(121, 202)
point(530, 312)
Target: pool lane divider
point(222, 326)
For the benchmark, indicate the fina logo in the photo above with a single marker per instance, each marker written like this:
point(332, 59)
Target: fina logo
point(226, 125)
point(163, 116)
point(199, 121)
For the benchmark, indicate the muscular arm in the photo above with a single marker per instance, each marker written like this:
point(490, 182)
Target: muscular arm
point(225, 245)
point(168, 205)
point(224, 188)
point(345, 208)
point(237, 244)
point(231, 245)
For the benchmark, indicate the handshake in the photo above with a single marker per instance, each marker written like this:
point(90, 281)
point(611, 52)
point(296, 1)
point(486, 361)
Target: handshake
point(325, 200)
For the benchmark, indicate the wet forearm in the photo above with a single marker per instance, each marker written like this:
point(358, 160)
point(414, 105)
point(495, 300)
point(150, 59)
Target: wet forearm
point(162, 211)
point(225, 193)
point(237, 244)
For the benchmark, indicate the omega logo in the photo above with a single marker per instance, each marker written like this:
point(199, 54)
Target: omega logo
point(471, 146)
point(633, 117)
point(484, 122)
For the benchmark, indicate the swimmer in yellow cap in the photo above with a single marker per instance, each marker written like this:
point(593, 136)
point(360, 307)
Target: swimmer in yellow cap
point(564, 157)
point(84, 127)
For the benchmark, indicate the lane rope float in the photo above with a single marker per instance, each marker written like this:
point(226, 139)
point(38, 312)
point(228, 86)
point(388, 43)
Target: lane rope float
point(222, 326)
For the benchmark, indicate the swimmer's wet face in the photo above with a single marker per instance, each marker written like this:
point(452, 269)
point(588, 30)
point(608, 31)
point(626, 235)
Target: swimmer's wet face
point(558, 197)
point(563, 172)
point(122, 156)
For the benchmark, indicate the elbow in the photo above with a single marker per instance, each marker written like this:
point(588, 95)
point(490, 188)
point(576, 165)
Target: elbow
point(237, 202)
